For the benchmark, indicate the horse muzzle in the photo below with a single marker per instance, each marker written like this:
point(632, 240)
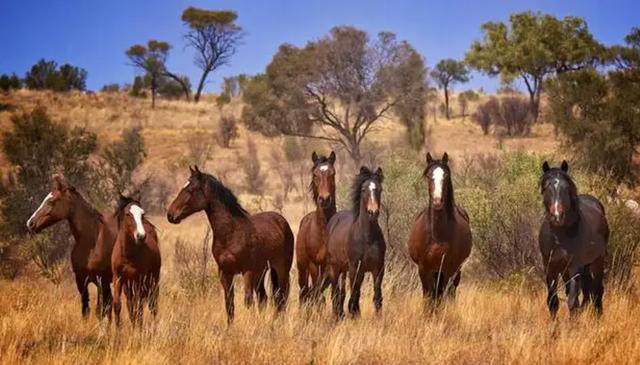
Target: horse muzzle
point(324, 201)
point(172, 218)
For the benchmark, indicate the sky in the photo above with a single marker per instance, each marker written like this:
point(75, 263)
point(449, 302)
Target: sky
point(95, 34)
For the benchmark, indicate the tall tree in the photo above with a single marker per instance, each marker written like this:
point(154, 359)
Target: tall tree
point(215, 36)
point(448, 72)
point(152, 60)
point(532, 47)
point(337, 88)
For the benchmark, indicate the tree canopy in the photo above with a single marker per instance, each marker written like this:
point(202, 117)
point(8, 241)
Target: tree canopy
point(214, 36)
point(46, 75)
point(533, 46)
point(448, 72)
point(337, 88)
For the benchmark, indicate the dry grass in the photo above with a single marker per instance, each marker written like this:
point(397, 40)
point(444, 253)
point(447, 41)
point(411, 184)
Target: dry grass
point(486, 323)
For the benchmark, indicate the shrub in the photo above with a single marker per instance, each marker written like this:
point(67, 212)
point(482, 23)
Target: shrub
point(227, 131)
point(199, 147)
point(484, 114)
point(509, 115)
point(195, 271)
point(110, 88)
point(46, 75)
point(250, 164)
point(8, 83)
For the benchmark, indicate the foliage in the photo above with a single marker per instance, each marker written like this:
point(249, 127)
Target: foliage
point(227, 131)
point(45, 75)
point(111, 88)
point(533, 46)
point(509, 115)
point(8, 83)
point(215, 37)
point(195, 270)
point(254, 179)
point(448, 72)
point(337, 88)
point(464, 98)
point(599, 115)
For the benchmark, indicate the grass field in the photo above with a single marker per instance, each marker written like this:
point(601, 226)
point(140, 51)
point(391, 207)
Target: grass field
point(487, 322)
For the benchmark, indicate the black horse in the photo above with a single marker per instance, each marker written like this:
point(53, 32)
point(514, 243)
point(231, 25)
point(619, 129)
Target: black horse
point(573, 240)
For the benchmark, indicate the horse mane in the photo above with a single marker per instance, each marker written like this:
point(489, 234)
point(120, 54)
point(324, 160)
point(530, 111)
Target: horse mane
point(356, 189)
point(226, 196)
point(89, 207)
point(312, 186)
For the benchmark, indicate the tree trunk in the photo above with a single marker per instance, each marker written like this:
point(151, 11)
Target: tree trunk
point(154, 87)
point(185, 89)
point(203, 78)
point(355, 154)
point(446, 101)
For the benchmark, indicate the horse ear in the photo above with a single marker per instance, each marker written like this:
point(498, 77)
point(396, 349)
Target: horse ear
point(545, 167)
point(379, 174)
point(445, 158)
point(429, 158)
point(332, 157)
point(197, 169)
point(191, 170)
point(314, 157)
point(364, 170)
point(565, 166)
point(59, 182)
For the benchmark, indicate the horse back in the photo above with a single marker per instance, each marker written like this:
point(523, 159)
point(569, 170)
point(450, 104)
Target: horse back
point(275, 238)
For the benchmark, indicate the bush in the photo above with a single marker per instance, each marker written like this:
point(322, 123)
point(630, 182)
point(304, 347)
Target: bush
point(227, 131)
point(509, 115)
point(45, 75)
point(250, 164)
point(199, 147)
point(8, 83)
point(111, 88)
point(196, 275)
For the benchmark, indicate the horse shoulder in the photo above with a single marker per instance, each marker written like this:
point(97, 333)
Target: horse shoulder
point(418, 235)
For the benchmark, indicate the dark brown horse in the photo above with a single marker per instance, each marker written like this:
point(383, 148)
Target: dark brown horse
point(440, 240)
point(242, 243)
point(356, 244)
point(135, 262)
point(311, 243)
point(94, 235)
point(573, 240)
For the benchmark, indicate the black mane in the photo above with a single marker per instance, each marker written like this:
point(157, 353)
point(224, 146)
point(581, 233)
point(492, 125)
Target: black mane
point(356, 189)
point(226, 196)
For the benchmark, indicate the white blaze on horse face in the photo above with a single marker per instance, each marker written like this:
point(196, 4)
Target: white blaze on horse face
point(372, 191)
point(46, 199)
point(324, 167)
point(438, 180)
point(186, 184)
point(137, 213)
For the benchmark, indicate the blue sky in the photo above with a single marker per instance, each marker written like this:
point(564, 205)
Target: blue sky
point(95, 34)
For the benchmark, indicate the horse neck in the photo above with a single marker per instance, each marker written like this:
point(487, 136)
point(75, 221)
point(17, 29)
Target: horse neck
point(364, 227)
point(324, 214)
point(440, 220)
point(83, 221)
point(223, 222)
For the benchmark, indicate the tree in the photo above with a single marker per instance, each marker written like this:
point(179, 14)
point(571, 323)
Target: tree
point(599, 115)
point(41, 75)
point(152, 59)
point(446, 73)
point(72, 78)
point(464, 98)
point(336, 89)
point(12, 82)
point(232, 87)
point(45, 75)
point(215, 36)
point(532, 47)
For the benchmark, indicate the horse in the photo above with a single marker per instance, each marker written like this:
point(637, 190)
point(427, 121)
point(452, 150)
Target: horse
point(356, 244)
point(135, 262)
point(573, 241)
point(440, 240)
point(94, 234)
point(311, 243)
point(242, 243)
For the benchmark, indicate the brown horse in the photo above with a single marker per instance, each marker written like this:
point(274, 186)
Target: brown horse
point(356, 244)
point(573, 240)
point(242, 243)
point(94, 235)
point(311, 243)
point(440, 239)
point(135, 262)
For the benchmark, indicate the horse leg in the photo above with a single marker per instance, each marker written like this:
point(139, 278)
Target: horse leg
point(129, 292)
point(572, 282)
point(81, 283)
point(99, 298)
point(280, 275)
point(453, 284)
point(249, 285)
point(552, 294)
point(117, 298)
point(377, 288)
point(261, 292)
point(315, 275)
point(597, 285)
point(153, 295)
point(338, 304)
point(356, 276)
point(107, 298)
point(427, 284)
point(303, 282)
point(226, 279)
point(587, 279)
